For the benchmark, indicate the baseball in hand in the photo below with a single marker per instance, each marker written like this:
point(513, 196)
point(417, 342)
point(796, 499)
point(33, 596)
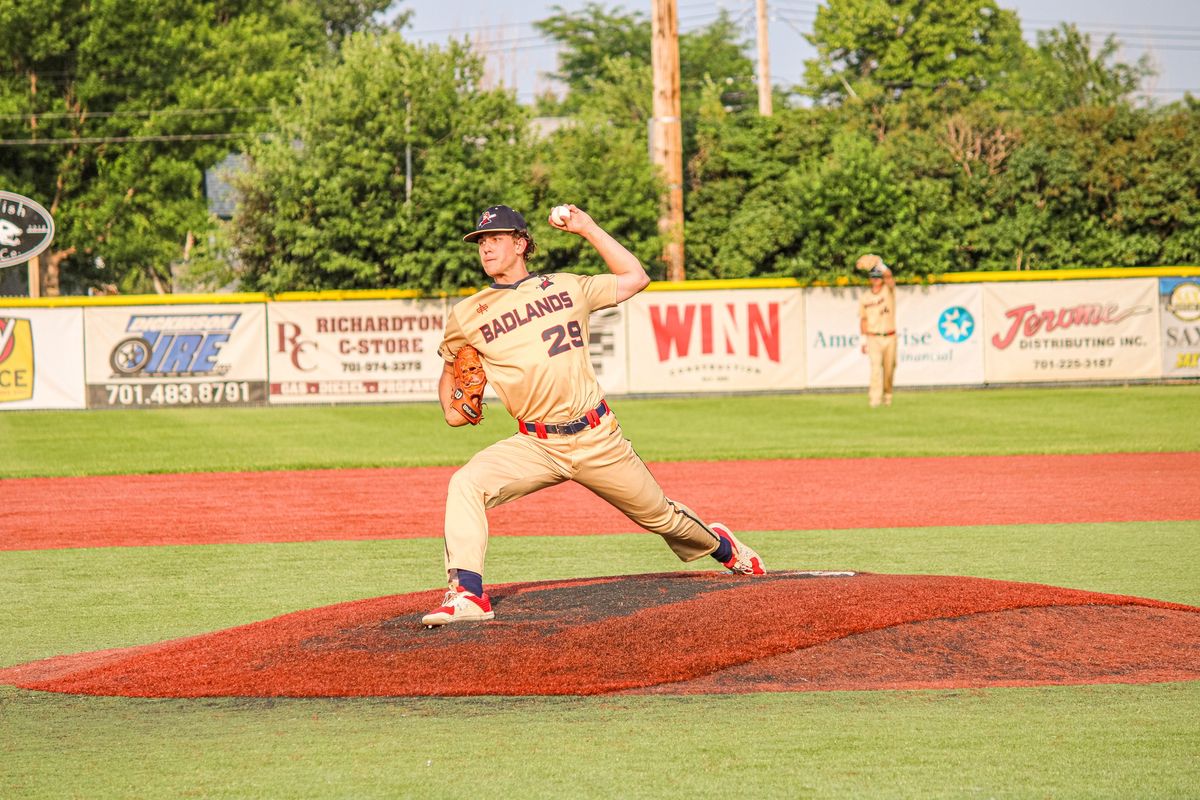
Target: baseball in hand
point(560, 214)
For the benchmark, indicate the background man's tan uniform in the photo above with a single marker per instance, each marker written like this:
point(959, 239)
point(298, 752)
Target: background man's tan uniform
point(531, 332)
point(877, 323)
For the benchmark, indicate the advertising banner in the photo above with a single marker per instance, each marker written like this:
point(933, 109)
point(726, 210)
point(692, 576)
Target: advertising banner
point(938, 341)
point(185, 355)
point(607, 347)
point(735, 340)
point(1072, 330)
point(833, 341)
point(355, 351)
point(41, 358)
point(1180, 303)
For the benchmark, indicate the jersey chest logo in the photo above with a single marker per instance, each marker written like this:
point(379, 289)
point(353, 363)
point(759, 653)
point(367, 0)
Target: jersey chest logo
point(522, 315)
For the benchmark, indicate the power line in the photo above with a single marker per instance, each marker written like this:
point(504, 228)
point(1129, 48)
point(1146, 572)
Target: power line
point(165, 112)
point(1115, 26)
point(182, 137)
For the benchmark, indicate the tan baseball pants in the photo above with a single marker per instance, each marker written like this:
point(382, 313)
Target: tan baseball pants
point(881, 353)
point(600, 458)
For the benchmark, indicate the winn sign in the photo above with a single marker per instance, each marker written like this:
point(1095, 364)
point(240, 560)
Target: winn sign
point(25, 229)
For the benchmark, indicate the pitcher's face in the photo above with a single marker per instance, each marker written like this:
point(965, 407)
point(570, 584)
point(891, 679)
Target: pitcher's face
point(500, 254)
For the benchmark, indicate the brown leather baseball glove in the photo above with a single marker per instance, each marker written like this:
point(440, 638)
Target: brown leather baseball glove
point(469, 382)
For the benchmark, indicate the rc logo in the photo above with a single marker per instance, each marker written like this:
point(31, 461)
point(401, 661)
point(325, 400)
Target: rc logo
point(956, 324)
point(173, 344)
point(16, 360)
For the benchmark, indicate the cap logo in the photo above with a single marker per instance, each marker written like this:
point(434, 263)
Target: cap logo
point(487, 217)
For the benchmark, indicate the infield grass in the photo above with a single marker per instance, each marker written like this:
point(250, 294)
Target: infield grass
point(1089, 741)
point(1063, 742)
point(921, 423)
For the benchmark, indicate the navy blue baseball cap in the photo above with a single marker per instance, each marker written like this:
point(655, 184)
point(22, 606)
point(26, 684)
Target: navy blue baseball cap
point(497, 218)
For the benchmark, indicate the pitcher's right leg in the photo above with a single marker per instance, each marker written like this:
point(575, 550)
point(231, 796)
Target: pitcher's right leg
point(505, 471)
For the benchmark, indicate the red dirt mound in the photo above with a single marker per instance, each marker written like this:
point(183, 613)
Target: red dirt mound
point(675, 633)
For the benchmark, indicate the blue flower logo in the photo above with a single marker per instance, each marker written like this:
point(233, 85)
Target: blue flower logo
point(956, 324)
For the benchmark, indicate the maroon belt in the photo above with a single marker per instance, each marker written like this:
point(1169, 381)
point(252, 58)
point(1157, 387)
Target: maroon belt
point(889, 333)
point(589, 420)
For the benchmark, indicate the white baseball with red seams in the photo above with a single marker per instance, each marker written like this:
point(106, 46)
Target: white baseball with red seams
point(560, 214)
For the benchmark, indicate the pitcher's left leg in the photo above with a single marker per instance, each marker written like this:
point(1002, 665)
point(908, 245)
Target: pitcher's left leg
point(615, 472)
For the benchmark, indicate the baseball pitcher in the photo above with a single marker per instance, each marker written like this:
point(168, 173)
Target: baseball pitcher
point(526, 335)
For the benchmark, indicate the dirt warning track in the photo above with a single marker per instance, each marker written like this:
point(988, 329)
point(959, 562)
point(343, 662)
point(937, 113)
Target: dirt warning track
point(807, 494)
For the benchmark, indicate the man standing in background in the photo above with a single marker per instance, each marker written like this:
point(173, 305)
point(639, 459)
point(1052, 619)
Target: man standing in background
point(877, 322)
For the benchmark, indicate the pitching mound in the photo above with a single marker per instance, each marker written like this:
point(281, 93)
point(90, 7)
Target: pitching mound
point(685, 632)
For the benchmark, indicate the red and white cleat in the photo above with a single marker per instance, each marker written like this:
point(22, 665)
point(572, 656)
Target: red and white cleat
point(744, 561)
point(459, 605)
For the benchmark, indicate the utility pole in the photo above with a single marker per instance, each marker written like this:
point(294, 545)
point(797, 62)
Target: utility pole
point(667, 142)
point(764, 62)
point(35, 276)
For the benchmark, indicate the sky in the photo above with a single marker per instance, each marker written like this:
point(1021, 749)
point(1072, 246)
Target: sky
point(520, 57)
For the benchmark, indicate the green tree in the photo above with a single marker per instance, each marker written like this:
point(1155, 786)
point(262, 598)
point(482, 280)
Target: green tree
point(1156, 178)
point(113, 109)
point(1068, 71)
point(809, 212)
point(881, 50)
point(326, 205)
point(605, 61)
point(599, 161)
point(599, 48)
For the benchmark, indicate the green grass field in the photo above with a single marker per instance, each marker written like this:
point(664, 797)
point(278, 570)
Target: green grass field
point(1092, 741)
point(967, 422)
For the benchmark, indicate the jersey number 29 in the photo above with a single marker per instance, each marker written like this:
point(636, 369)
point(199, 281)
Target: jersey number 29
point(558, 337)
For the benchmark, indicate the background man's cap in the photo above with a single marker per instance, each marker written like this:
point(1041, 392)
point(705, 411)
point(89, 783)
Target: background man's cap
point(876, 271)
point(865, 262)
point(496, 218)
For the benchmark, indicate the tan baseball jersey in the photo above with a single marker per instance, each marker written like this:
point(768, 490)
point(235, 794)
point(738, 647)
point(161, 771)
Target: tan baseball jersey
point(533, 337)
point(879, 310)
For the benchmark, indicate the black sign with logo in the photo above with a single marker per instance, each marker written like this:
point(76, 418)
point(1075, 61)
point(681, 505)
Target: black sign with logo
point(25, 229)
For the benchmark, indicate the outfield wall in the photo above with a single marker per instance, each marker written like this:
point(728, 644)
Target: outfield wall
point(702, 336)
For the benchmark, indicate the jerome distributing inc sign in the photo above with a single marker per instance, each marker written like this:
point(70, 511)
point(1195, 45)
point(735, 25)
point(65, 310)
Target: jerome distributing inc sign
point(25, 229)
point(1072, 330)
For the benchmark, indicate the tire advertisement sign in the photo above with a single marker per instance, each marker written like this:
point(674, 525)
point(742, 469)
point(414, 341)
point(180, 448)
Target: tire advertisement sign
point(1180, 302)
point(735, 340)
point(169, 356)
point(41, 358)
point(355, 351)
point(938, 336)
point(1072, 330)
